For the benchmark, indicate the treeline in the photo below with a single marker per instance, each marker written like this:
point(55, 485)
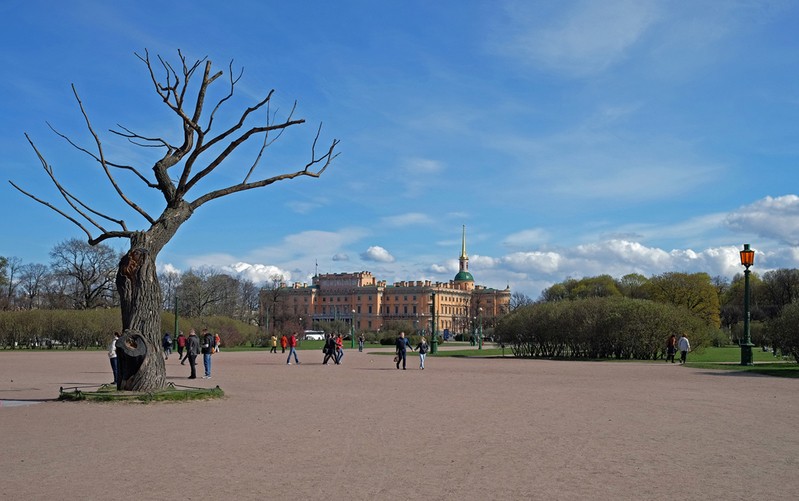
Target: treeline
point(599, 327)
point(70, 329)
point(82, 277)
point(715, 302)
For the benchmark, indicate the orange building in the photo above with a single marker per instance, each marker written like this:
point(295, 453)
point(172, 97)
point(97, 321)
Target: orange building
point(366, 303)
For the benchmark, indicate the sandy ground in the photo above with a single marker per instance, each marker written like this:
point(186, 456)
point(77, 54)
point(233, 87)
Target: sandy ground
point(460, 429)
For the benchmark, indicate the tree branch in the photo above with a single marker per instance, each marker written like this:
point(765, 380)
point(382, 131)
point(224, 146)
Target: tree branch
point(101, 159)
point(325, 160)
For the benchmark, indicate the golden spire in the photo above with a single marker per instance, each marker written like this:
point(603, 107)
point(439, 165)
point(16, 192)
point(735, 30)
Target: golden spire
point(463, 244)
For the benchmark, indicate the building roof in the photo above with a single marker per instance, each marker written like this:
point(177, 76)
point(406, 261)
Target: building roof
point(464, 276)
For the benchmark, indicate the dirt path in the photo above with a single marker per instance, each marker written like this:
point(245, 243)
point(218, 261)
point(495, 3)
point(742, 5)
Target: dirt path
point(461, 429)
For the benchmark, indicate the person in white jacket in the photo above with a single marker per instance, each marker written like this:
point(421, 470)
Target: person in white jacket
point(112, 356)
point(684, 346)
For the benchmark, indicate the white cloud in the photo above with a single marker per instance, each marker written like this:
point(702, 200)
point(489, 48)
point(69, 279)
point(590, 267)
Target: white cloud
point(168, 268)
point(526, 238)
point(258, 273)
point(590, 38)
point(378, 254)
point(771, 217)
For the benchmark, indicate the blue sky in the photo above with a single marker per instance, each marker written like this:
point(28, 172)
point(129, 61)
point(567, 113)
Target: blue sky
point(571, 138)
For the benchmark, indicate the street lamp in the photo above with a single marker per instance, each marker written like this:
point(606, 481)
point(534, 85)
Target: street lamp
point(433, 336)
point(480, 336)
point(352, 330)
point(747, 260)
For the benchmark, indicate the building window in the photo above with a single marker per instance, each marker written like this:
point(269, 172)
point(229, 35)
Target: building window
point(370, 310)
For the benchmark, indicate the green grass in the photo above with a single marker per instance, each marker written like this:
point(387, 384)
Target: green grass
point(108, 393)
point(724, 358)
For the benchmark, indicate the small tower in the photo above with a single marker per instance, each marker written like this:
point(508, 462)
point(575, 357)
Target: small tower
point(463, 276)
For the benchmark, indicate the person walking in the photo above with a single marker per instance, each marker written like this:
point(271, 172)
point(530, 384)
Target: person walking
point(402, 348)
point(112, 356)
point(422, 348)
point(671, 348)
point(274, 344)
point(329, 349)
point(360, 342)
point(684, 346)
point(181, 344)
point(167, 343)
point(207, 351)
point(283, 343)
point(192, 349)
point(339, 349)
point(217, 343)
point(292, 342)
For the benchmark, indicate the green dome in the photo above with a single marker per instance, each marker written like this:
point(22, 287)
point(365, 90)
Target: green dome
point(464, 276)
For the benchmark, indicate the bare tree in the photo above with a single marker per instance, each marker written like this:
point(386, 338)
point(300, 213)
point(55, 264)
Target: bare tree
point(13, 265)
point(91, 270)
point(177, 174)
point(32, 279)
point(519, 299)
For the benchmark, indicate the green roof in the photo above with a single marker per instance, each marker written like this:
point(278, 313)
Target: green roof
point(464, 276)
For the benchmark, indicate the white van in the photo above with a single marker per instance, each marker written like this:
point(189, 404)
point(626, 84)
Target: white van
point(314, 335)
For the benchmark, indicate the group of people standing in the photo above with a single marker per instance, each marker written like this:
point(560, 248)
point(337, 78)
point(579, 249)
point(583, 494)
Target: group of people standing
point(194, 347)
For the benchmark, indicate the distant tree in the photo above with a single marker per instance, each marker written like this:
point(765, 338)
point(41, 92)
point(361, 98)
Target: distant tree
point(11, 271)
point(634, 285)
point(176, 171)
point(779, 289)
point(519, 299)
point(599, 286)
point(169, 280)
point(33, 280)
point(90, 270)
point(693, 291)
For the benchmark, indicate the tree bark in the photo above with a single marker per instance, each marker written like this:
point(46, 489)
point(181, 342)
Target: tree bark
point(139, 351)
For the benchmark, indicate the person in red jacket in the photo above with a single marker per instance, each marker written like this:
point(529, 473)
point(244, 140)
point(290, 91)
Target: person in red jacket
point(292, 349)
point(181, 346)
point(283, 343)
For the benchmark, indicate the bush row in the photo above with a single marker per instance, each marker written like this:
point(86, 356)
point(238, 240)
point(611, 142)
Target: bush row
point(614, 327)
point(71, 329)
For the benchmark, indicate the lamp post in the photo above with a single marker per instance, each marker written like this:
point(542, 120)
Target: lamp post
point(480, 336)
point(433, 337)
point(352, 331)
point(747, 260)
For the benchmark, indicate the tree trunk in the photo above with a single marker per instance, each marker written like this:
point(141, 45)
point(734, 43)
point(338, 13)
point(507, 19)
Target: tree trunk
point(139, 351)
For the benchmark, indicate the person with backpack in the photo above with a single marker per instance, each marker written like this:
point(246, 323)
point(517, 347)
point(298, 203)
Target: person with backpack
point(207, 351)
point(167, 343)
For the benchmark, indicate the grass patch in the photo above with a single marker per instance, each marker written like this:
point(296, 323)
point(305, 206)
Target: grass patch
point(109, 393)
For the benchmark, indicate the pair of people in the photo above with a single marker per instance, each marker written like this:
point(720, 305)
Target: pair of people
point(333, 348)
point(674, 344)
point(402, 345)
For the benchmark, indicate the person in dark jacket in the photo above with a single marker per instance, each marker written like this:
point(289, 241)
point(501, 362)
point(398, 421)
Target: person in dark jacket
point(330, 348)
point(192, 349)
point(208, 350)
point(422, 348)
point(402, 350)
